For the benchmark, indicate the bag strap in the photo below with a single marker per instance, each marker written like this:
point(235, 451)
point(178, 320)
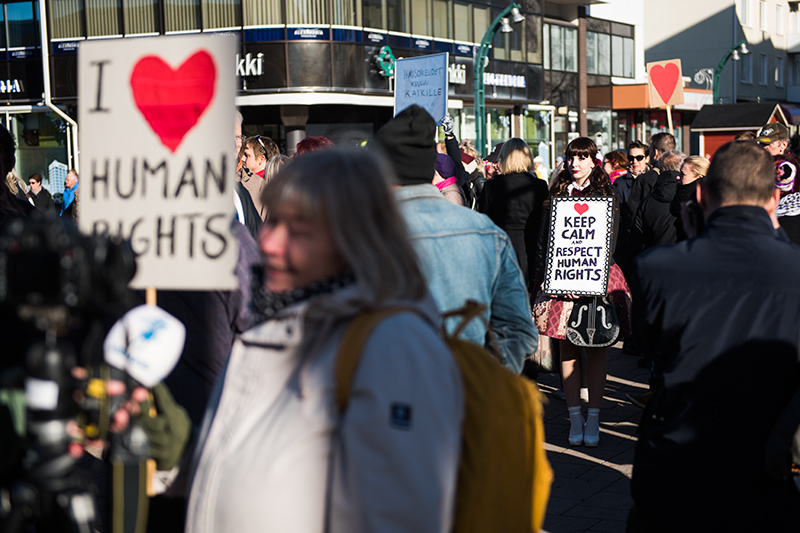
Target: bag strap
point(351, 346)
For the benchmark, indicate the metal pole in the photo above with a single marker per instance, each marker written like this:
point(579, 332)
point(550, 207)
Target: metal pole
point(480, 67)
point(719, 70)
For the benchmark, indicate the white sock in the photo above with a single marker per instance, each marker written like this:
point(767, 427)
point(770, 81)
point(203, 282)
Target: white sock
point(575, 420)
point(593, 422)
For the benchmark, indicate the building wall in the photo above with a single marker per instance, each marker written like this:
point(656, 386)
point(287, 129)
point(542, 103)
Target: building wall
point(700, 34)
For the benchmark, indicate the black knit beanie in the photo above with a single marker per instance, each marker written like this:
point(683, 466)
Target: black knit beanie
point(408, 143)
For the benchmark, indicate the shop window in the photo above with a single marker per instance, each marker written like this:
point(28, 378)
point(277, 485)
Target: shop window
point(262, 12)
point(345, 13)
point(22, 22)
point(604, 54)
point(385, 14)
point(182, 15)
point(102, 18)
point(498, 126)
point(617, 56)
point(66, 20)
point(591, 52)
point(481, 21)
point(462, 22)
point(563, 49)
point(218, 15)
point(536, 132)
point(627, 58)
point(442, 19)
point(533, 38)
point(421, 17)
point(141, 16)
point(307, 12)
point(546, 46)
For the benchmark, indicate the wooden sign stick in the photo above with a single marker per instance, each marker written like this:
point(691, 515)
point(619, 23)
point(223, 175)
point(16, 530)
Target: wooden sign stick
point(669, 119)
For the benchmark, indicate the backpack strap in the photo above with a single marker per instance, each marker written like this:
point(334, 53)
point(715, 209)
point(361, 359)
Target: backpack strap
point(351, 346)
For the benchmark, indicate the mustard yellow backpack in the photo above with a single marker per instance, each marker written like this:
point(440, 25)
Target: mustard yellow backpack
point(504, 476)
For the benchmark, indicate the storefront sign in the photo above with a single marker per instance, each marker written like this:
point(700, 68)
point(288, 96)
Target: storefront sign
point(504, 80)
point(157, 123)
point(250, 65)
point(464, 49)
point(372, 37)
point(580, 245)
point(457, 74)
point(421, 44)
point(10, 86)
point(422, 80)
point(308, 34)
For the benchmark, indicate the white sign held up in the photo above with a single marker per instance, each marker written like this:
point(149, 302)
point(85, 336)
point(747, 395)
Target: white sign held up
point(422, 80)
point(580, 246)
point(157, 155)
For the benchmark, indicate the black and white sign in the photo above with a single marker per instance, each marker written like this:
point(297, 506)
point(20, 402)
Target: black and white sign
point(580, 246)
point(157, 155)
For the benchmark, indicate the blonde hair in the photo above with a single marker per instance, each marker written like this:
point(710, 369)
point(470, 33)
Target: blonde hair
point(698, 164)
point(515, 157)
point(353, 197)
point(274, 165)
point(15, 183)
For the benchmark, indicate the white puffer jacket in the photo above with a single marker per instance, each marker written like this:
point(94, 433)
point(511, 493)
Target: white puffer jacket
point(276, 446)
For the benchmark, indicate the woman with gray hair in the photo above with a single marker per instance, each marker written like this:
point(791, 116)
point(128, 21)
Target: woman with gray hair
point(276, 454)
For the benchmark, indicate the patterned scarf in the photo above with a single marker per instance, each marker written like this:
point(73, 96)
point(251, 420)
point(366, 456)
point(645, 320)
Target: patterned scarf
point(265, 304)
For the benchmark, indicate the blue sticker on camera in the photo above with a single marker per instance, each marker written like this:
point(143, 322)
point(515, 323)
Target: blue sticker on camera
point(400, 416)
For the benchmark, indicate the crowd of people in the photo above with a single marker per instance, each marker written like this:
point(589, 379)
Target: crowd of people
point(699, 276)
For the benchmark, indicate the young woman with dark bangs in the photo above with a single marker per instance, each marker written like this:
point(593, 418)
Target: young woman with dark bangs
point(582, 176)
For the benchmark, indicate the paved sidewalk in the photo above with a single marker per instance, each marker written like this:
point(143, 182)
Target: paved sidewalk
point(591, 489)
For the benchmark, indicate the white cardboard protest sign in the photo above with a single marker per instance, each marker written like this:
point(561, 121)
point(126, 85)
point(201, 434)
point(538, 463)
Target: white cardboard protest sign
point(157, 155)
point(580, 246)
point(422, 80)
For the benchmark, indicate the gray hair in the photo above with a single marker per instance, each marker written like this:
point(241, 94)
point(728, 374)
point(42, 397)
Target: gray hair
point(351, 193)
point(671, 160)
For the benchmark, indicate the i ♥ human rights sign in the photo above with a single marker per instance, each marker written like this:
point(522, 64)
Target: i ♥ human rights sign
point(580, 246)
point(157, 155)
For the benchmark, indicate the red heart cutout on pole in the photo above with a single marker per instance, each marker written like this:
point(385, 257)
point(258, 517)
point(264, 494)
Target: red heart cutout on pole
point(665, 80)
point(581, 208)
point(172, 101)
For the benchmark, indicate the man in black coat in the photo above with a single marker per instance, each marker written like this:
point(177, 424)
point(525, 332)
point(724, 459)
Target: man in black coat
point(719, 313)
point(41, 197)
point(653, 224)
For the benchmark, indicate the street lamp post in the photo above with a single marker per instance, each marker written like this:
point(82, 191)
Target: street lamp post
point(501, 23)
point(738, 48)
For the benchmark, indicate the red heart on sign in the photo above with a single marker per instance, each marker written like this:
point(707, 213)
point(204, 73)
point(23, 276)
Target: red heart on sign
point(581, 208)
point(172, 101)
point(665, 79)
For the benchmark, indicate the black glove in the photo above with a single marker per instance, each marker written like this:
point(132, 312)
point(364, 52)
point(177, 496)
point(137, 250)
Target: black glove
point(168, 431)
point(447, 125)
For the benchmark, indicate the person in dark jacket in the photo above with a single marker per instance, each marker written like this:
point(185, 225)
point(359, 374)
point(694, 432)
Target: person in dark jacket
point(42, 199)
point(513, 200)
point(653, 224)
point(660, 144)
point(720, 313)
point(684, 207)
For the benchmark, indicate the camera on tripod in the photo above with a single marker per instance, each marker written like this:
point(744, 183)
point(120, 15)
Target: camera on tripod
point(70, 287)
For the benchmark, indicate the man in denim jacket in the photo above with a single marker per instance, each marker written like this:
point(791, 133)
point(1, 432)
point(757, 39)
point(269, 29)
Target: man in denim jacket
point(464, 255)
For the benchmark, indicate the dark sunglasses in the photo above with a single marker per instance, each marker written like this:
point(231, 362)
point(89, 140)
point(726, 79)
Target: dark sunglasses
point(638, 157)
